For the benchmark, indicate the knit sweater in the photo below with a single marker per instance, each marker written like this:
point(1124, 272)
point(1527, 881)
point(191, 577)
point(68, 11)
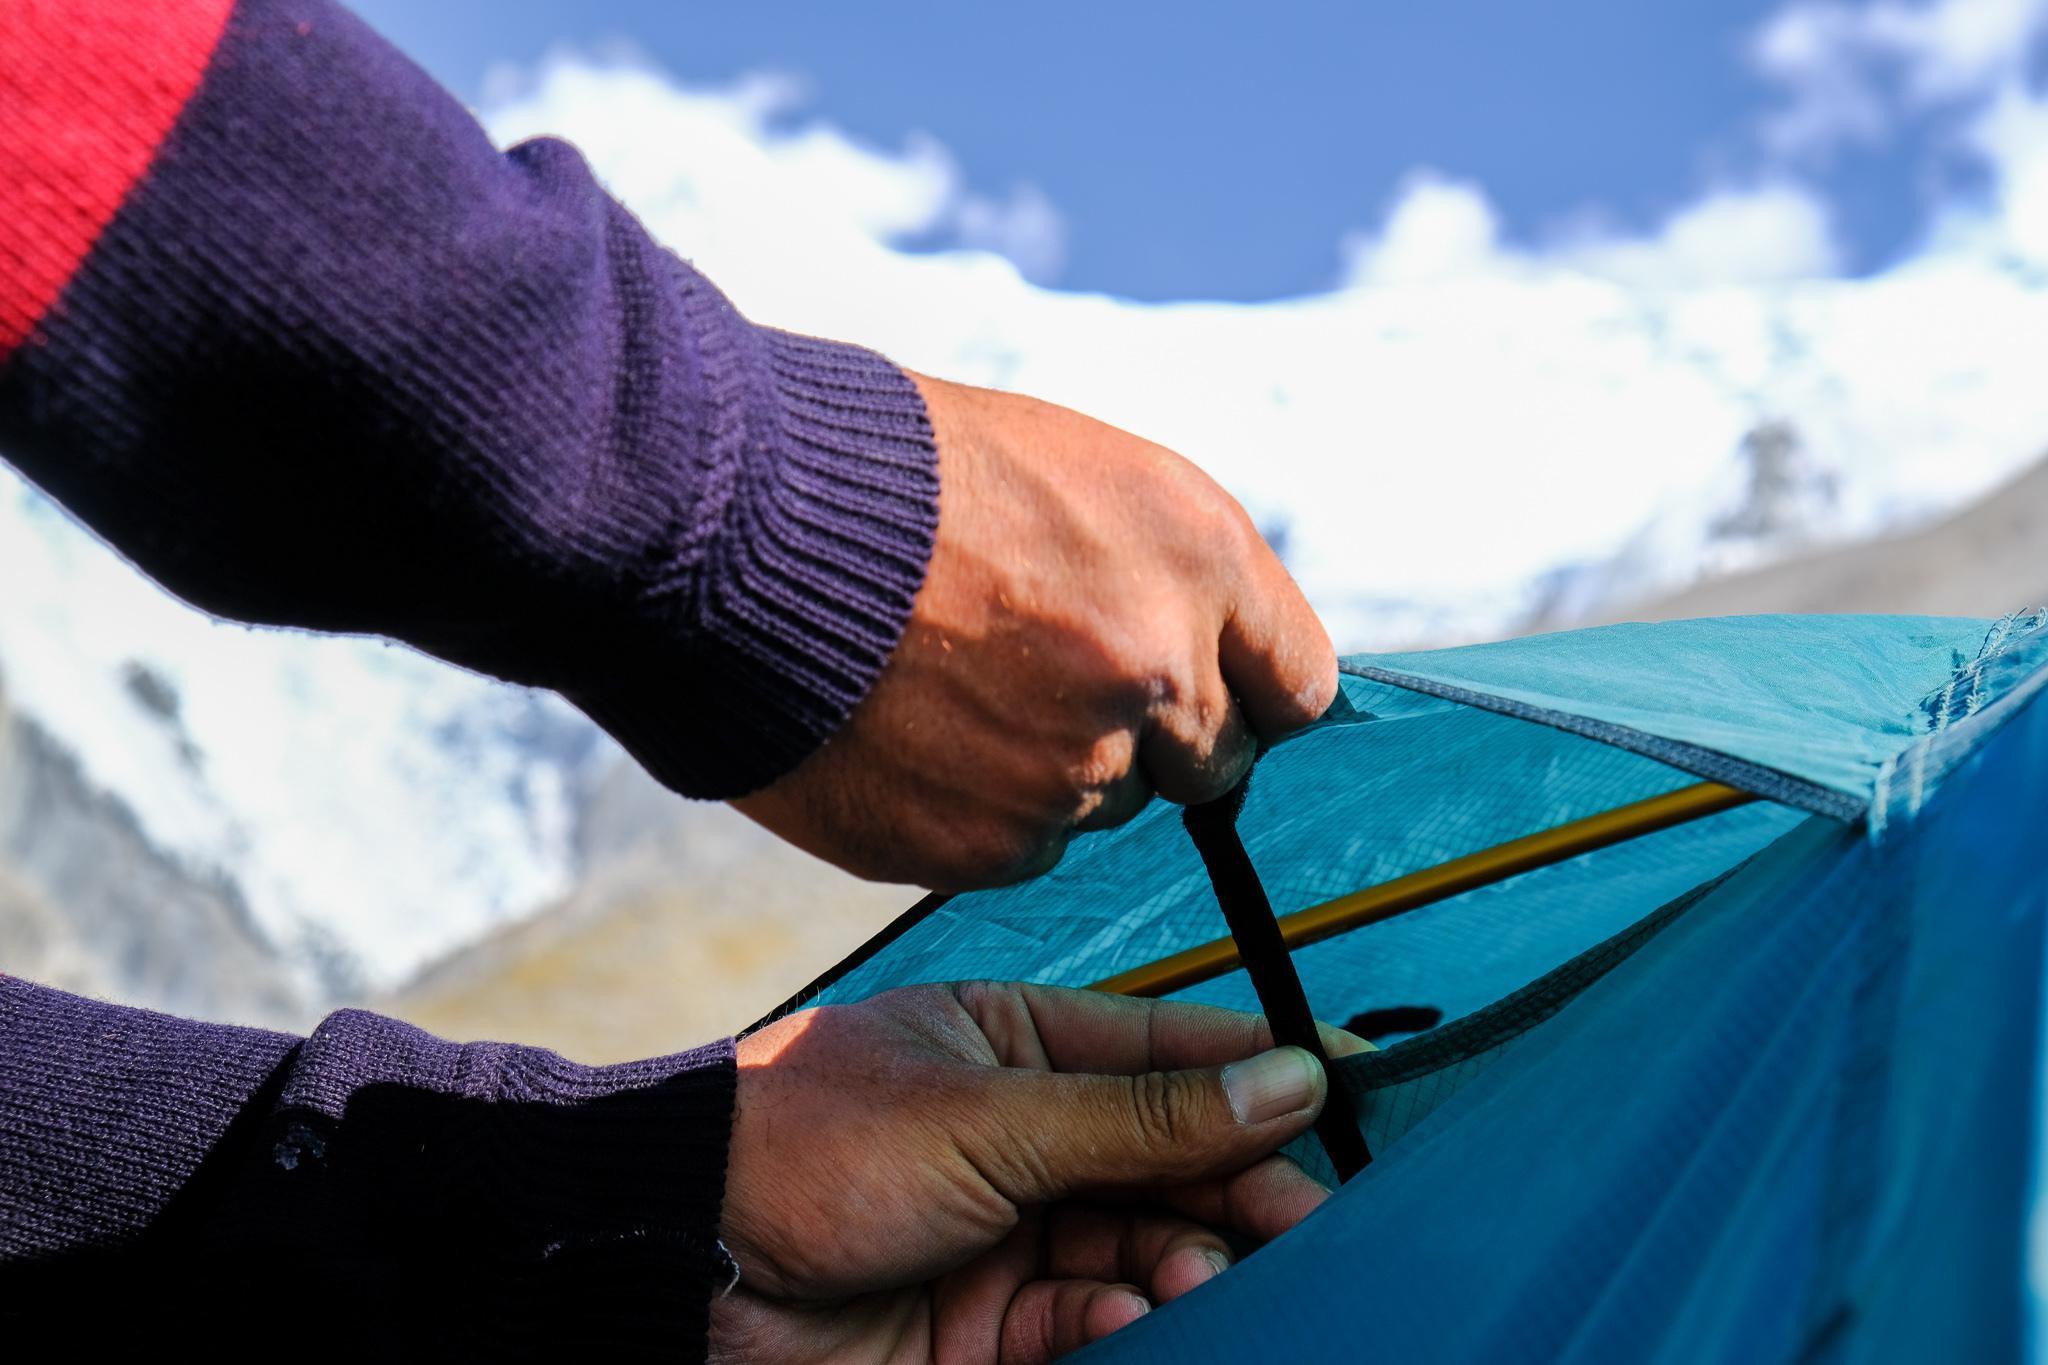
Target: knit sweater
point(278, 322)
point(369, 1191)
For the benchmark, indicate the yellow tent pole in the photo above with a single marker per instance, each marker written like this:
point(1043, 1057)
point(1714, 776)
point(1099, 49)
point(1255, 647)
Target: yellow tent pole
point(1433, 884)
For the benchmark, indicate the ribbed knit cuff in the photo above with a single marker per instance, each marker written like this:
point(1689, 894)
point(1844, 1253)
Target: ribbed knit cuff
point(824, 548)
point(580, 1203)
point(107, 1113)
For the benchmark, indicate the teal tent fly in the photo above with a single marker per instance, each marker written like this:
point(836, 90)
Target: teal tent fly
point(1762, 1086)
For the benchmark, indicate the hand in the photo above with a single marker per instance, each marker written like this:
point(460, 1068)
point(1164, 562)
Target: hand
point(907, 1174)
point(1099, 620)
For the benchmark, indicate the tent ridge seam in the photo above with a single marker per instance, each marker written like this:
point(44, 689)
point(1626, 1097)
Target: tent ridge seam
point(2004, 633)
point(1697, 759)
point(1940, 707)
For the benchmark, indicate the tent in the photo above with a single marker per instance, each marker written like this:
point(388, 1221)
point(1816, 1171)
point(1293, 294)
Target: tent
point(1761, 1084)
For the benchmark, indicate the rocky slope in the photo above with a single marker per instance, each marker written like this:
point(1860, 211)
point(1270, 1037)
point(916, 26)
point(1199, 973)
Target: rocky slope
point(1988, 559)
point(689, 922)
point(89, 903)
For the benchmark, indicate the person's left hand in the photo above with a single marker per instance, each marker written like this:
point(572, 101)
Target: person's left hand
point(990, 1172)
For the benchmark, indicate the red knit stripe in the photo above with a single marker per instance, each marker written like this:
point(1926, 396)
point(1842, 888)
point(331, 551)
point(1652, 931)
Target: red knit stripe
point(88, 91)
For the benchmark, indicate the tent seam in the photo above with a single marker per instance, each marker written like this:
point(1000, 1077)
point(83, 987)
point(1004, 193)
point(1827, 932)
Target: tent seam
point(2004, 633)
point(1770, 783)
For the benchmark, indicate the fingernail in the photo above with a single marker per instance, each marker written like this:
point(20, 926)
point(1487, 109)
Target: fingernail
point(1271, 1084)
point(1218, 1262)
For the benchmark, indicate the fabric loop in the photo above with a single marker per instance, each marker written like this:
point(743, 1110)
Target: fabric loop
point(1213, 827)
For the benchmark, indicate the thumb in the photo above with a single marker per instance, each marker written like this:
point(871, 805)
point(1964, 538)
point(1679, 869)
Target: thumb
point(1066, 1133)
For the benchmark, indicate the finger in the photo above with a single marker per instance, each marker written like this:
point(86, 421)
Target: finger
point(969, 1306)
point(1196, 745)
point(988, 852)
point(1120, 802)
point(1165, 1255)
point(1038, 858)
point(1049, 1318)
point(1276, 656)
point(1043, 1136)
point(1262, 1201)
point(1063, 1029)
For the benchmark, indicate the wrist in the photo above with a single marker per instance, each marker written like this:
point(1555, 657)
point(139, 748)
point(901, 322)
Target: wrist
point(806, 584)
point(576, 1199)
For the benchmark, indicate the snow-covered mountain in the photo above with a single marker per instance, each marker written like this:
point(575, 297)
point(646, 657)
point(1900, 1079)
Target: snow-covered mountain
point(364, 807)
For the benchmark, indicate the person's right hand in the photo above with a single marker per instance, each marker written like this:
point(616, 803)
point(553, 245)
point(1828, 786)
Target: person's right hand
point(1099, 621)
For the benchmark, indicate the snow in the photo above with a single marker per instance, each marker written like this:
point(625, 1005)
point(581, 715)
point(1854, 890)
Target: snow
point(370, 802)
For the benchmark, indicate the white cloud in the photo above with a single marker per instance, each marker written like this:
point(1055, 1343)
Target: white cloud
point(1850, 70)
point(751, 169)
point(2012, 137)
point(1818, 51)
point(1956, 48)
point(885, 196)
point(1464, 417)
point(1759, 236)
point(1440, 230)
point(1862, 72)
point(1436, 229)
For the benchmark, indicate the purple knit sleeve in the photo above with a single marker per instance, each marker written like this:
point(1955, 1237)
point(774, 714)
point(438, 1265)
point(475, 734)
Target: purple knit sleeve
point(337, 362)
point(387, 1190)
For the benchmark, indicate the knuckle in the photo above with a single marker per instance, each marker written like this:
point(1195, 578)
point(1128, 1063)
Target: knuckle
point(1172, 692)
point(1214, 715)
point(980, 997)
point(1029, 1330)
point(1104, 763)
point(1158, 1110)
point(1207, 509)
point(1310, 672)
point(1315, 698)
point(1141, 647)
point(1148, 674)
point(1184, 705)
point(1298, 706)
point(1236, 529)
point(1230, 536)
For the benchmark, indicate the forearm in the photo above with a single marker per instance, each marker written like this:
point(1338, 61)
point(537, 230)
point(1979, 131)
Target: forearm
point(508, 1194)
point(332, 360)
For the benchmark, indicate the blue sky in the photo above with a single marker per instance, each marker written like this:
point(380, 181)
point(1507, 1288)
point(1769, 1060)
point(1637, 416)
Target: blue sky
point(1222, 151)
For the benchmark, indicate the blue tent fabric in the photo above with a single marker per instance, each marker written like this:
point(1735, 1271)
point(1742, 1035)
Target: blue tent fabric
point(1820, 700)
point(1763, 1087)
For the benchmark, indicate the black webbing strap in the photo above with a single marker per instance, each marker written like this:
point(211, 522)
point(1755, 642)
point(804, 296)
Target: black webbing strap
point(1213, 827)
